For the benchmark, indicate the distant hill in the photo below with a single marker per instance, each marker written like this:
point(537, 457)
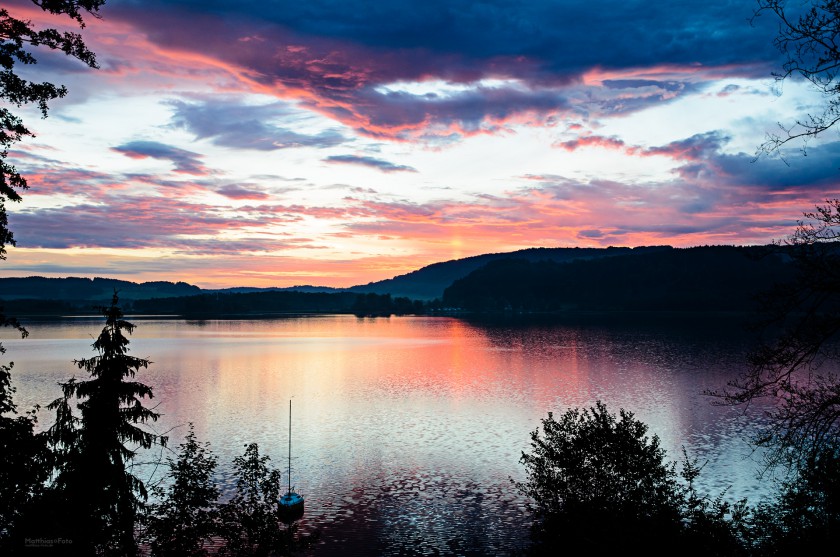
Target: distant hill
point(429, 282)
point(713, 278)
point(34, 296)
point(300, 288)
point(96, 290)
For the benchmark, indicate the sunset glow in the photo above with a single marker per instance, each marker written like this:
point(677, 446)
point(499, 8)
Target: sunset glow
point(277, 144)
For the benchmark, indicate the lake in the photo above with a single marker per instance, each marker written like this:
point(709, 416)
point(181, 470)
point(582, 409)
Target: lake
point(407, 430)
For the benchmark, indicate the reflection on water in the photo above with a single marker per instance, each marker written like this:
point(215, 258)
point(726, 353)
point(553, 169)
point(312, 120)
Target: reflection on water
point(408, 430)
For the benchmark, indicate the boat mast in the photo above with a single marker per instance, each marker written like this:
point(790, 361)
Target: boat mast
point(290, 445)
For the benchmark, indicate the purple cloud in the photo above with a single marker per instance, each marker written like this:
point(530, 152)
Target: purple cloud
point(230, 124)
point(236, 191)
point(143, 222)
point(185, 162)
point(378, 164)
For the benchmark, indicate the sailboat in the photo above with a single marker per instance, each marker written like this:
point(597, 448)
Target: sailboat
point(290, 505)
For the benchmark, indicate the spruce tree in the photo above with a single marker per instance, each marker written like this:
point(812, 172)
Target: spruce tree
point(95, 491)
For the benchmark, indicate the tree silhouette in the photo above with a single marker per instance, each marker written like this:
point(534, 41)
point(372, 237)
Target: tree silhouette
point(250, 525)
point(16, 37)
point(597, 483)
point(795, 366)
point(94, 488)
point(804, 519)
point(808, 38)
point(187, 515)
point(24, 463)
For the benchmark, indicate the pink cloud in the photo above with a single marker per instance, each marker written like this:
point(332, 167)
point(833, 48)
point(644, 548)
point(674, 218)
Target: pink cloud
point(693, 149)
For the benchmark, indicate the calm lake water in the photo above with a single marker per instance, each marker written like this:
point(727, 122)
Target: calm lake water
point(406, 431)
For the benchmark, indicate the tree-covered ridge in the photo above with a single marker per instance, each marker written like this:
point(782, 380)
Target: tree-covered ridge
point(711, 278)
point(87, 289)
point(429, 282)
point(426, 283)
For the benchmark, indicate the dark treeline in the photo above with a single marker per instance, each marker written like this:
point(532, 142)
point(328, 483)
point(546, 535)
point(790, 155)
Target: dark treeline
point(77, 290)
point(59, 295)
point(714, 278)
point(384, 304)
point(250, 303)
point(279, 302)
point(234, 304)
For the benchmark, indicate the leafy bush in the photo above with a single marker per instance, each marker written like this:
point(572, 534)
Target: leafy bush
point(24, 463)
point(250, 525)
point(187, 515)
point(805, 517)
point(598, 483)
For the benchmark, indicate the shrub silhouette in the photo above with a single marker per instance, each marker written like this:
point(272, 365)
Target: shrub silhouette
point(187, 516)
point(250, 525)
point(598, 483)
point(804, 518)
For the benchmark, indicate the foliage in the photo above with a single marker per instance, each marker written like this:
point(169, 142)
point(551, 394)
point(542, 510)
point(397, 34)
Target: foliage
point(598, 482)
point(7, 405)
point(16, 37)
point(23, 455)
point(589, 473)
point(94, 499)
point(250, 525)
point(805, 518)
point(187, 515)
point(94, 485)
point(808, 39)
point(711, 526)
point(24, 459)
point(795, 367)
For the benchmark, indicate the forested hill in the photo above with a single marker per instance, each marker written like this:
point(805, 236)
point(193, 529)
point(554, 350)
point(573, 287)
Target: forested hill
point(96, 290)
point(429, 282)
point(714, 278)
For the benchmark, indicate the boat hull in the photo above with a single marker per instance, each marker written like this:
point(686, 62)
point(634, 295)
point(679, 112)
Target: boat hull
point(290, 506)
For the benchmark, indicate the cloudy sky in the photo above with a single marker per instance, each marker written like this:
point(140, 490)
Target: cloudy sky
point(339, 142)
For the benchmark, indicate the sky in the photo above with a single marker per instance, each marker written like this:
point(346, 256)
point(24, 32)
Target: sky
point(326, 142)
